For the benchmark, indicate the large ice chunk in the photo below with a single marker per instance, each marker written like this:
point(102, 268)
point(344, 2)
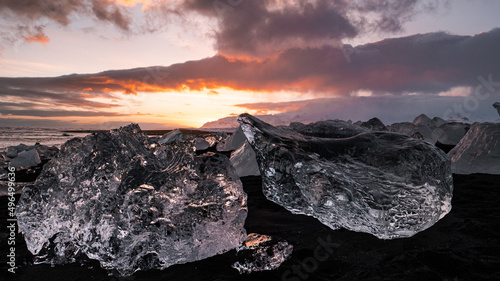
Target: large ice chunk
point(478, 151)
point(386, 184)
point(132, 204)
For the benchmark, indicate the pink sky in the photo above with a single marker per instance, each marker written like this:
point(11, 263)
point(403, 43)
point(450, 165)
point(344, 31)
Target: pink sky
point(167, 64)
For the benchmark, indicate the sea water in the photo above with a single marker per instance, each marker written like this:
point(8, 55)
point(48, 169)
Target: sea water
point(50, 137)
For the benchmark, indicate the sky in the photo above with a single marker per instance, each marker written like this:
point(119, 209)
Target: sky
point(180, 63)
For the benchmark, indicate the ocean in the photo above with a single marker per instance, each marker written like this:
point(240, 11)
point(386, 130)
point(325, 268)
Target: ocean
point(10, 136)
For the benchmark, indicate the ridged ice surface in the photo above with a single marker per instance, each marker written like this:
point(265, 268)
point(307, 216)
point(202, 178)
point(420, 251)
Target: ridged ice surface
point(478, 151)
point(385, 184)
point(132, 204)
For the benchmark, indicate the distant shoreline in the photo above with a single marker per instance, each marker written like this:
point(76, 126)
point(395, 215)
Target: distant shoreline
point(149, 132)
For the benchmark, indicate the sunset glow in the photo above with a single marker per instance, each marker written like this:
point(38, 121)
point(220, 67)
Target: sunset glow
point(167, 64)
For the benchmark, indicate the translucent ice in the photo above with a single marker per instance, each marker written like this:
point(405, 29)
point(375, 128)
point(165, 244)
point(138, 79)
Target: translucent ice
point(450, 133)
point(26, 159)
point(201, 144)
point(132, 204)
point(171, 136)
point(330, 129)
point(374, 124)
point(244, 162)
point(478, 151)
point(235, 141)
point(386, 184)
point(262, 252)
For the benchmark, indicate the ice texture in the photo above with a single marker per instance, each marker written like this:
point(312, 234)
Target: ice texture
point(450, 133)
point(478, 151)
point(171, 136)
point(404, 128)
point(374, 124)
point(244, 162)
point(386, 184)
point(262, 252)
point(26, 159)
point(201, 144)
point(423, 132)
point(132, 204)
point(330, 129)
point(422, 119)
point(235, 141)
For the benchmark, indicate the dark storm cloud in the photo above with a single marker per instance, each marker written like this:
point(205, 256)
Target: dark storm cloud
point(245, 28)
point(262, 28)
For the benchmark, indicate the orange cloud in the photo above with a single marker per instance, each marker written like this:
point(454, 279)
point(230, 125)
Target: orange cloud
point(274, 107)
point(40, 38)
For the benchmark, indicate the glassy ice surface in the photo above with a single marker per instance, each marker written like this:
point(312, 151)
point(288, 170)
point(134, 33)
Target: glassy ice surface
point(262, 252)
point(450, 133)
point(478, 151)
point(235, 141)
point(385, 184)
point(329, 129)
point(171, 136)
point(26, 159)
point(374, 124)
point(244, 162)
point(132, 204)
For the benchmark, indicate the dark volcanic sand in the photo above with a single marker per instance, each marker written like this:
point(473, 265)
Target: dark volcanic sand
point(464, 245)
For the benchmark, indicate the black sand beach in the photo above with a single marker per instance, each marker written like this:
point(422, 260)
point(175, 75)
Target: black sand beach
point(464, 245)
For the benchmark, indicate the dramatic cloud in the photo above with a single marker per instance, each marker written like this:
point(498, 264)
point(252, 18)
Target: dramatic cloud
point(25, 17)
point(61, 10)
point(421, 64)
point(263, 28)
point(245, 28)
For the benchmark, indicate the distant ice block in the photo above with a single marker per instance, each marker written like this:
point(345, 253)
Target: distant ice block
point(374, 125)
point(26, 159)
point(330, 129)
point(478, 151)
point(450, 133)
point(233, 142)
point(171, 136)
point(261, 252)
point(423, 132)
point(244, 162)
point(404, 128)
point(422, 119)
point(201, 144)
point(436, 122)
point(496, 105)
point(386, 184)
point(132, 204)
